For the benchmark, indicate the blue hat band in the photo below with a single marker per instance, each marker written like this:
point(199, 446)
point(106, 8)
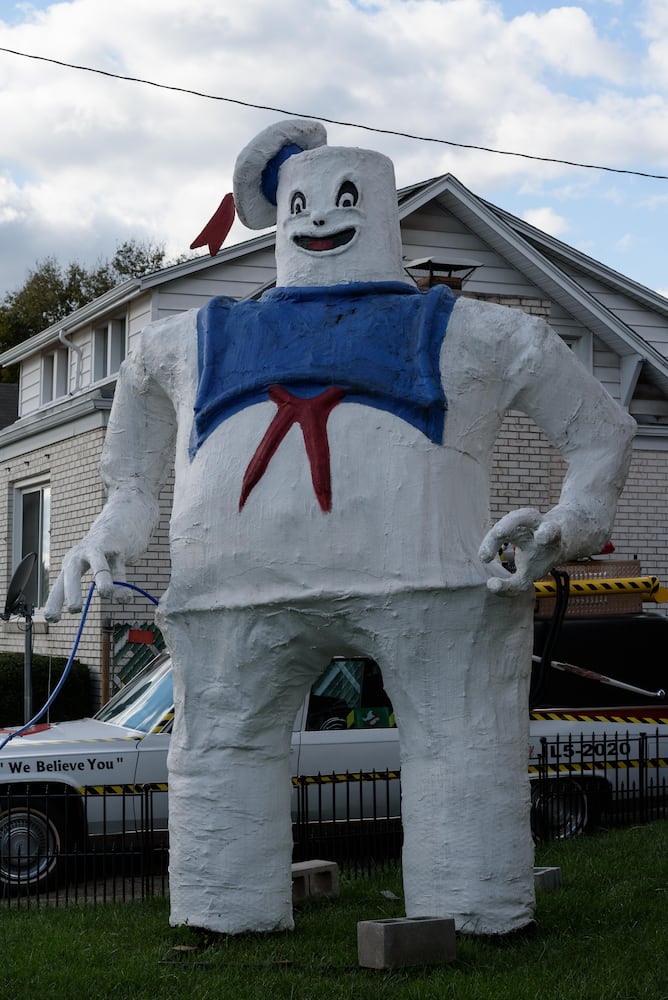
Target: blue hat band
point(269, 181)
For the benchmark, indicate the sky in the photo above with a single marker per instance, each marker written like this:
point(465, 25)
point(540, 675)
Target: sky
point(88, 161)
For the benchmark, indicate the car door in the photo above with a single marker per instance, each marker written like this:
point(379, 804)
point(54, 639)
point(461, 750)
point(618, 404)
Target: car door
point(151, 804)
point(348, 741)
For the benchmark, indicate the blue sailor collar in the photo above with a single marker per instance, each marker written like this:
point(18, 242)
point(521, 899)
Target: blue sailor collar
point(378, 341)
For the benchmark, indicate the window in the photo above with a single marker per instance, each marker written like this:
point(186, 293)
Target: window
point(350, 695)
point(55, 367)
point(32, 533)
point(108, 349)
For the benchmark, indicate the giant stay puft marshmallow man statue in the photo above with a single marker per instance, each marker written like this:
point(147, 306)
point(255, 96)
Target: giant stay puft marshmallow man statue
point(332, 445)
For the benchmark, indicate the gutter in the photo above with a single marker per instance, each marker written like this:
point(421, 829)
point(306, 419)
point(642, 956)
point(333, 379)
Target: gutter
point(122, 293)
point(79, 355)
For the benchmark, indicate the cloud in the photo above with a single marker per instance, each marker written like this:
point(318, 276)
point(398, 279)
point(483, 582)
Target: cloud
point(547, 220)
point(565, 39)
point(625, 242)
point(95, 159)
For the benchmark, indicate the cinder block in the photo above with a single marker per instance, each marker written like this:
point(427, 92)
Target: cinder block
point(403, 941)
point(546, 878)
point(315, 880)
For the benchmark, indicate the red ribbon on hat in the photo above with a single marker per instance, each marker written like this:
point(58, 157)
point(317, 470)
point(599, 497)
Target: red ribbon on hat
point(214, 233)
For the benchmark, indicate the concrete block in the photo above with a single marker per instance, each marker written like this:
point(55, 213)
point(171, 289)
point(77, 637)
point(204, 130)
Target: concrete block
point(404, 941)
point(546, 878)
point(315, 880)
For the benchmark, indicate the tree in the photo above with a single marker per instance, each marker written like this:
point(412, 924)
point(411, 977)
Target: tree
point(52, 291)
point(133, 259)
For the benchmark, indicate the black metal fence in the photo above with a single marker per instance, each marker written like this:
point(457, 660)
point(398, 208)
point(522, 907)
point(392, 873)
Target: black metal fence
point(48, 857)
point(353, 818)
point(579, 784)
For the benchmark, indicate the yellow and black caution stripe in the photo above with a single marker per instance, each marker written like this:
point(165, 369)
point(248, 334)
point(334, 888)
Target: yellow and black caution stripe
point(297, 781)
point(107, 790)
point(589, 766)
point(334, 779)
point(647, 587)
point(605, 718)
point(87, 739)
point(164, 722)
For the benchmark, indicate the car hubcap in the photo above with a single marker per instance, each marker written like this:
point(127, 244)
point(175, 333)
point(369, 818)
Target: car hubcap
point(27, 847)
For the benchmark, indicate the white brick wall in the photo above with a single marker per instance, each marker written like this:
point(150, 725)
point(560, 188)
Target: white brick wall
point(77, 496)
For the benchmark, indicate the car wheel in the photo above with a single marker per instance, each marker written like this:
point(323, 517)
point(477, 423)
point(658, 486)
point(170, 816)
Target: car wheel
point(32, 843)
point(559, 809)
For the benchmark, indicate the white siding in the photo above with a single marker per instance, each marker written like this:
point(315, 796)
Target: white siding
point(81, 340)
point(652, 326)
point(237, 279)
point(606, 368)
point(30, 386)
point(433, 231)
point(139, 314)
point(566, 325)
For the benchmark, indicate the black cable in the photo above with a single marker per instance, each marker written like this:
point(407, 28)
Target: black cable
point(539, 675)
point(333, 121)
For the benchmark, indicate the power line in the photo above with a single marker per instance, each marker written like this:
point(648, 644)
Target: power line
point(334, 121)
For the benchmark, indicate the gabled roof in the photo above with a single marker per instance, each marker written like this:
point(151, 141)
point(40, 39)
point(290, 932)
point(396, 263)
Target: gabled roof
point(547, 262)
point(543, 260)
point(115, 296)
point(557, 249)
point(129, 290)
point(536, 255)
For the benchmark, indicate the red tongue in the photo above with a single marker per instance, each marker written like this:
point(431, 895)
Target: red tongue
point(325, 244)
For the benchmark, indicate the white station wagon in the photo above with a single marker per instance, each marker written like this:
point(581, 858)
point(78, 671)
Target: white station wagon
point(61, 784)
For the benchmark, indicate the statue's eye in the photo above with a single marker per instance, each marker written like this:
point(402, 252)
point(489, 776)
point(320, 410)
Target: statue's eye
point(297, 203)
point(347, 196)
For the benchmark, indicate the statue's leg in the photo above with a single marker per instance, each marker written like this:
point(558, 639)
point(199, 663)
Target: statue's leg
point(457, 667)
point(238, 684)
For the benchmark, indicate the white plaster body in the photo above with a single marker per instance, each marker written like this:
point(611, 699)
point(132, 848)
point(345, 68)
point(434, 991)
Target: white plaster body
point(260, 600)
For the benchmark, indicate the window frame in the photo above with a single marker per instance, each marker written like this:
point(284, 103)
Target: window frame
point(109, 348)
point(37, 590)
point(55, 375)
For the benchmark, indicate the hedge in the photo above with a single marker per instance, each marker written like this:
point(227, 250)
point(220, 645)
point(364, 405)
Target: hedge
point(73, 702)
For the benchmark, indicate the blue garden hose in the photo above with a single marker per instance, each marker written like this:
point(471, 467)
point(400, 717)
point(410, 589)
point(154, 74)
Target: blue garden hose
point(59, 686)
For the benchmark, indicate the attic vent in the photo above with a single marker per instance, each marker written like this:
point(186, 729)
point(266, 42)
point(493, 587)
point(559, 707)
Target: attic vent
point(432, 272)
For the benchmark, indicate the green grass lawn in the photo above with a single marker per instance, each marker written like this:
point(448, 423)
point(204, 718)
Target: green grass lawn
point(603, 936)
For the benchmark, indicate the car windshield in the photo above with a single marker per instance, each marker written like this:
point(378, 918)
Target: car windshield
point(143, 702)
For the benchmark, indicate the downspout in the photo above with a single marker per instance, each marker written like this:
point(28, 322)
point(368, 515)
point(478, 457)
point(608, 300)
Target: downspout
point(77, 364)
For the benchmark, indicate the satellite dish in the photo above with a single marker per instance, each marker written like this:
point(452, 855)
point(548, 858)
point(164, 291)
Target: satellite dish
point(16, 600)
point(18, 604)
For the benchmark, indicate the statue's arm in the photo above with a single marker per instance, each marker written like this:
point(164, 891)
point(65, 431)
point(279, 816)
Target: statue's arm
point(136, 459)
point(594, 435)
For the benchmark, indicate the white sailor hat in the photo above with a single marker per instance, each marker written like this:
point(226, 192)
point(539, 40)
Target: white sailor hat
point(258, 164)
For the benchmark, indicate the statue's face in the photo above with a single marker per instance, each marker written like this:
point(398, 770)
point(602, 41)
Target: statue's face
point(337, 218)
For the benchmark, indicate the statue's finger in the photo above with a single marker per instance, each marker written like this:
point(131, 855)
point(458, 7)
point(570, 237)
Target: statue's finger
point(71, 573)
point(55, 600)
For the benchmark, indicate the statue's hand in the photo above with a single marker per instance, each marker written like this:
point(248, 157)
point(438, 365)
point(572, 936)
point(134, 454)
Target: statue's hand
point(538, 545)
point(106, 566)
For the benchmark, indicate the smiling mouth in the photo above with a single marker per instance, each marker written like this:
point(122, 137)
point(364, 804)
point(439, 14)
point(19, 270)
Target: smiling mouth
point(320, 243)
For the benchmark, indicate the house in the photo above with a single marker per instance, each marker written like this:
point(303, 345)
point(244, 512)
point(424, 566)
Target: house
point(49, 486)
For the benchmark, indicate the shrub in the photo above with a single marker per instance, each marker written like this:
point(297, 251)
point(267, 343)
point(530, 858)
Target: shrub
point(73, 702)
